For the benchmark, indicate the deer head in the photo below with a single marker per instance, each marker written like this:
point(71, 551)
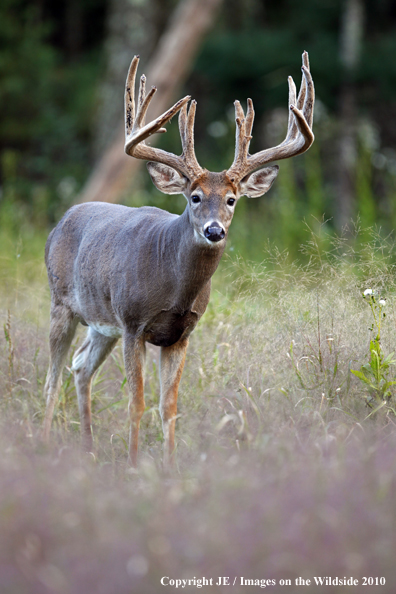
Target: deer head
point(212, 196)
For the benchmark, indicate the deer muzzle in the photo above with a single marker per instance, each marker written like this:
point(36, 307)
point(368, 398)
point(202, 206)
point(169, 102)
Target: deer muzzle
point(214, 232)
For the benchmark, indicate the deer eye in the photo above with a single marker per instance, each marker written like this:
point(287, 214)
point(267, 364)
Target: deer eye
point(231, 201)
point(195, 199)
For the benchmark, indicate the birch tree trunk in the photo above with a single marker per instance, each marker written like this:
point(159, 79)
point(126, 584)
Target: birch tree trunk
point(351, 43)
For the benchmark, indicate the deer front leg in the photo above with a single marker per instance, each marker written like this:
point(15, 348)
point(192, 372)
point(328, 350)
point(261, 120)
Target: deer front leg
point(171, 369)
point(134, 358)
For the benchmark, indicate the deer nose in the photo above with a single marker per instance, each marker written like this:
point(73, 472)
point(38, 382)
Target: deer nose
point(214, 232)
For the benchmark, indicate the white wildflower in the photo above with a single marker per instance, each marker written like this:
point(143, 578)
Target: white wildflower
point(382, 302)
point(368, 292)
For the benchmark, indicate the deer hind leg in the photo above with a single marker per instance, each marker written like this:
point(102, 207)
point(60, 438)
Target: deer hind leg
point(86, 361)
point(171, 369)
point(63, 326)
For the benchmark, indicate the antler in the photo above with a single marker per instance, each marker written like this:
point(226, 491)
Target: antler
point(136, 131)
point(299, 135)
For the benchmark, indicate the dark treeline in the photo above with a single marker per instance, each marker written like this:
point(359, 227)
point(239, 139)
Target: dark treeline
point(62, 67)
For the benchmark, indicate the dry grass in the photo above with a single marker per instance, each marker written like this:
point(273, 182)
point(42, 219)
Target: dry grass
point(281, 473)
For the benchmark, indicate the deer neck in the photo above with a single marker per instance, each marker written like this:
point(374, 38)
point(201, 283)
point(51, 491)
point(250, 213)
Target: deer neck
point(194, 260)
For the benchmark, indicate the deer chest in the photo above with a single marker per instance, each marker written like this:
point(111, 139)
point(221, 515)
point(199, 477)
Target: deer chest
point(167, 327)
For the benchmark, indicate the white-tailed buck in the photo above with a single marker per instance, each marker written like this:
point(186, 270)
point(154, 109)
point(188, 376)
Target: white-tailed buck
point(143, 274)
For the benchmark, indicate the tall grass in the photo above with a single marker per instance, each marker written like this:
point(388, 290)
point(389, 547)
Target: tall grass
point(282, 470)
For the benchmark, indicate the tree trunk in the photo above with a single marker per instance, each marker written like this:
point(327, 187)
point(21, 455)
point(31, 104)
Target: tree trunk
point(167, 69)
point(351, 42)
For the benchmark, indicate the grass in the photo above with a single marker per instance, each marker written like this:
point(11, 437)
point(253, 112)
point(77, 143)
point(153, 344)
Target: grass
point(282, 469)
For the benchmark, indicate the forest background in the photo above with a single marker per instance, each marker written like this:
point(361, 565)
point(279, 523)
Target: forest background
point(286, 430)
point(63, 67)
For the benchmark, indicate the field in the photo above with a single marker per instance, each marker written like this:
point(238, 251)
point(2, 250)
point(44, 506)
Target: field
point(286, 466)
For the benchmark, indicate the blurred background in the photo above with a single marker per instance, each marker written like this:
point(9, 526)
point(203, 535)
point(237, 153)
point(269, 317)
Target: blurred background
point(63, 67)
point(284, 469)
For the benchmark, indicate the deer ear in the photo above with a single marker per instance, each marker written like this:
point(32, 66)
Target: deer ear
point(258, 182)
point(166, 179)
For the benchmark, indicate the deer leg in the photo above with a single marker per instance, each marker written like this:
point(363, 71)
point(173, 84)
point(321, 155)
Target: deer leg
point(134, 358)
point(63, 326)
point(171, 369)
point(86, 361)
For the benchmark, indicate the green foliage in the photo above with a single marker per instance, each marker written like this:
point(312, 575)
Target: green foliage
point(46, 106)
point(374, 374)
point(25, 60)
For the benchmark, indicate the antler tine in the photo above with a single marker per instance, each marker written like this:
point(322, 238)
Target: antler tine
point(306, 83)
point(249, 118)
point(188, 141)
point(243, 136)
point(305, 59)
point(291, 126)
point(239, 130)
point(308, 108)
point(183, 124)
point(144, 102)
point(140, 116)
point(142, 91)
point(130, 95)
point(299, 133)
point(306, 132)
point(302, 93)
point(239, 113)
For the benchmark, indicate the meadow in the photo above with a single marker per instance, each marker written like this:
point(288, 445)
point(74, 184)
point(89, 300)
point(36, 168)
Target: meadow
point(285, 461)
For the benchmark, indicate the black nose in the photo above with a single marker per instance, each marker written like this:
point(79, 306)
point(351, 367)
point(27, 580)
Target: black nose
point(214, 232)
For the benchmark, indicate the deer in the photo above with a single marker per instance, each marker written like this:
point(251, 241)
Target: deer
point(143, 275)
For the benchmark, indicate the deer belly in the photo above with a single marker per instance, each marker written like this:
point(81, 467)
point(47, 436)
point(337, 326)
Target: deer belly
point(168, 327)
point(106, 329)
